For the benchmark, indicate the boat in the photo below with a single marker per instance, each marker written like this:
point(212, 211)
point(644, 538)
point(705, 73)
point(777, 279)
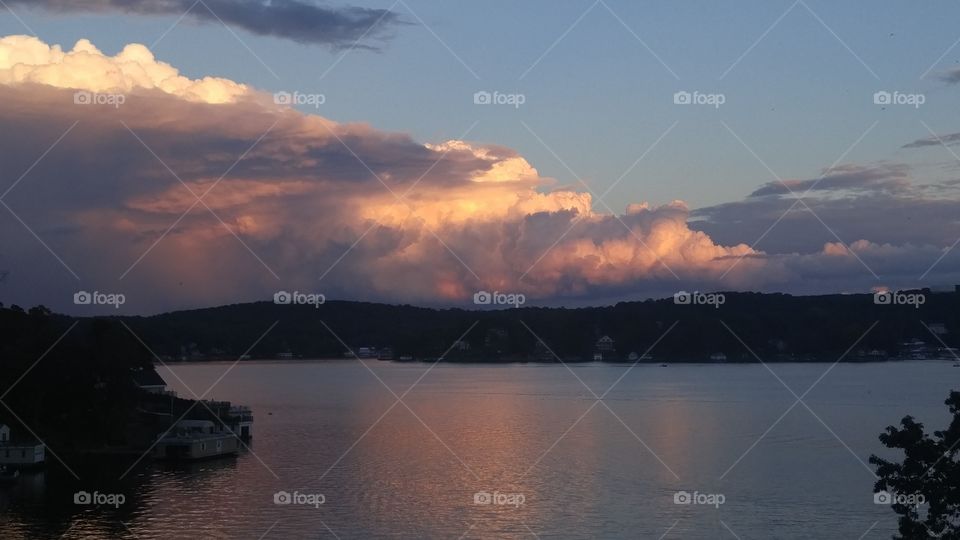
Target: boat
point(663, 365)
point(191, 440)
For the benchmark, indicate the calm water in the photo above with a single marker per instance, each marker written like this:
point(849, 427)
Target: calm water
point(412, 469)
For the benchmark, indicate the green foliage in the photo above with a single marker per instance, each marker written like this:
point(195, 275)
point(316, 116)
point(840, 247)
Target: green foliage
point(929, 468)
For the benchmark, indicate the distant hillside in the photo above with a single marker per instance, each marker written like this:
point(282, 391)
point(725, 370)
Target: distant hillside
point(775, 326)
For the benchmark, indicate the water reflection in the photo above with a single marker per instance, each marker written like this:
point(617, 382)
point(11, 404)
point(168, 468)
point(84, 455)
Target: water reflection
point(384, 470)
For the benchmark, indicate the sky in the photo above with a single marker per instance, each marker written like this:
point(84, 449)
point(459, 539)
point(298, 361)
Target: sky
point(584, 183)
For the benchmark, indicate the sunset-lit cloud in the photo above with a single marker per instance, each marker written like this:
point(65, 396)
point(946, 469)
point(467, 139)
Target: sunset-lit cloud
point(377, 215)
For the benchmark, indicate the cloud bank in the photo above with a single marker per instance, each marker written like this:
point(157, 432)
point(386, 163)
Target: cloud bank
point(200, 192)
point(300, 21)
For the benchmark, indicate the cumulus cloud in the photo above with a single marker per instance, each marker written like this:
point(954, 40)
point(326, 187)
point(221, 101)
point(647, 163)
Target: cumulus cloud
point(301, 21)
point(26, 59)
point(377, 215)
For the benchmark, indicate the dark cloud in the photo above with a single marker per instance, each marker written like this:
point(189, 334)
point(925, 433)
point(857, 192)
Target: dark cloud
point(298, 20)
point(951, 138)
point(844, 178)
point(878, 203)
point(951, 76)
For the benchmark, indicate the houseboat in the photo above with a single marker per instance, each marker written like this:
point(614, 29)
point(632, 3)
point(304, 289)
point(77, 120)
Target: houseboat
point(19, 455)
point(190, 440)
point(240, 422)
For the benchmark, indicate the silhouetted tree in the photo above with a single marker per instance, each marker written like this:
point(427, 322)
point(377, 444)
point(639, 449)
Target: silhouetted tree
point(929, 468)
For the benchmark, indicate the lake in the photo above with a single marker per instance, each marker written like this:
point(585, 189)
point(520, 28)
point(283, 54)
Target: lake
point(512, 451)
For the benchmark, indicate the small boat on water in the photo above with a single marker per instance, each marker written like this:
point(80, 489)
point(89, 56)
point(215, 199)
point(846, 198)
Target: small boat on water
point(663, 365)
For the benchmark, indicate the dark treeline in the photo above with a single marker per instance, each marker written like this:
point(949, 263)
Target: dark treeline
point(774, 326)
point(72, 386)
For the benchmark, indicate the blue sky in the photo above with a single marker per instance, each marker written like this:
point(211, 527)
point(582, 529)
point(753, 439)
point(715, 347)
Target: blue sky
point(599, 99)
point(598, 79)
